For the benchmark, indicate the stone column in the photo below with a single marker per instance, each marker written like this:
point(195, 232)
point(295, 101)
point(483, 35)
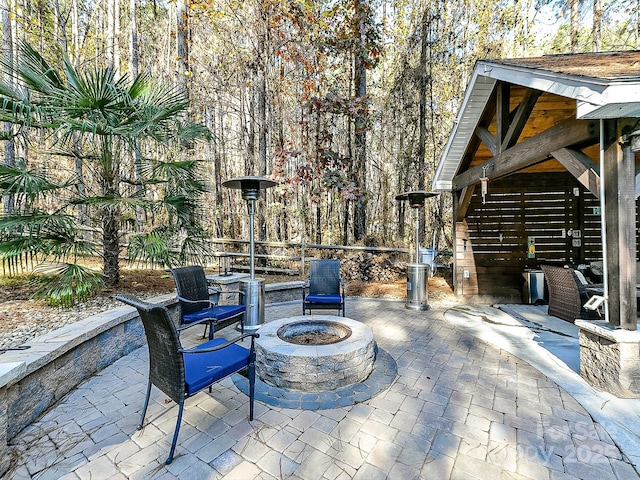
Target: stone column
point(610, 358)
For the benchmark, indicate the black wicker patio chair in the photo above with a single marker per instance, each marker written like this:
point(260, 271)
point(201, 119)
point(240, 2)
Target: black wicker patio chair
point(181, 373)
point(199, 301)
point(324, 290)
point(567, 294)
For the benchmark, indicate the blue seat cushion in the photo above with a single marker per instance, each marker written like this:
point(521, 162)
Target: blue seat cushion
point(323, 298)
point(203, 369)
point(222, 312)
point(219, 312)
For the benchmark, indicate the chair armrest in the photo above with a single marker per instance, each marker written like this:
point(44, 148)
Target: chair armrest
point(220, 290)
point(253, 336)
point(235, 291)
point(214, 295)
point(240, 292)
point(215, 292)
point(186, 300)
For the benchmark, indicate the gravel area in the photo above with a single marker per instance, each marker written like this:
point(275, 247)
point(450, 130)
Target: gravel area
point(22, 319)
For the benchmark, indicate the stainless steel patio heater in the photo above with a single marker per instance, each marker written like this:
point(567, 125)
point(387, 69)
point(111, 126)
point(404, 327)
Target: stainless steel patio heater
point(253, 288)
point(417, 273)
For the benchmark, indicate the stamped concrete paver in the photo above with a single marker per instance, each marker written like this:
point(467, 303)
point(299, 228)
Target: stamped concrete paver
point(458, 408)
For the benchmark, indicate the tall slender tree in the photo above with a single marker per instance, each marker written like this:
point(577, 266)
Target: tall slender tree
point(8, 136)
point(183, 70)
point(362, 18)
point(597, 25)
point(574, 7)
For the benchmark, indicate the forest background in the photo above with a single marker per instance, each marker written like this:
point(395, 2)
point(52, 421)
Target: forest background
point(345, 103)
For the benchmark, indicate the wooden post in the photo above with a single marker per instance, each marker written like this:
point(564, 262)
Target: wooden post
point(620, 208)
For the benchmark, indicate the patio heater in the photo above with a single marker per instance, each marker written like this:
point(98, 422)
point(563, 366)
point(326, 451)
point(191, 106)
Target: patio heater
point(417, 273)
point(253, 288)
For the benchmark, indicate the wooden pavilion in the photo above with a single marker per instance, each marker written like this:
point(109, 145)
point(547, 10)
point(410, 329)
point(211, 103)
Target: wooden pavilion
point(533, 139)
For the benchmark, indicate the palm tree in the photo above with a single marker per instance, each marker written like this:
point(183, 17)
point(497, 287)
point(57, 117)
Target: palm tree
point(99, 120)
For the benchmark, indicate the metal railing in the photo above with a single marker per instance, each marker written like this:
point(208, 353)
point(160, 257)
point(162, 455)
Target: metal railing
point(301, 247)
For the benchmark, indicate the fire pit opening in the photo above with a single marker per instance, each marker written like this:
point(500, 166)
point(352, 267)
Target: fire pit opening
point(314, 332)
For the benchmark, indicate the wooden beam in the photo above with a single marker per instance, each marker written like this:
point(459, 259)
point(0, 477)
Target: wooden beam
point(488, 139)
point(520, 118)
point(585, 170)
point(530, 151)
point(463, 202)
point(487, 115)
point(503, 101)
point(510, 125)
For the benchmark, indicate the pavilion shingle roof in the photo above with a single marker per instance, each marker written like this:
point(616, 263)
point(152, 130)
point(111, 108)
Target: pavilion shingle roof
point(606, 65)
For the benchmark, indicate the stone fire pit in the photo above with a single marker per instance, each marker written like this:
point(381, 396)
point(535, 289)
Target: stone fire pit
point(314, 353)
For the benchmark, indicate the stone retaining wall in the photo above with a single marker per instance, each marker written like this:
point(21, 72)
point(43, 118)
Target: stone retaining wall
point(33, 380)
point(283, 292)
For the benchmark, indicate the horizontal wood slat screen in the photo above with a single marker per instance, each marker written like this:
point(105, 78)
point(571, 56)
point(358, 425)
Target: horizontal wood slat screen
point(540, 206)
point(520, 206)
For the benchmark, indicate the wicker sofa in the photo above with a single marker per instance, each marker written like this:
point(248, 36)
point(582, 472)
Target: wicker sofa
point(567, 294)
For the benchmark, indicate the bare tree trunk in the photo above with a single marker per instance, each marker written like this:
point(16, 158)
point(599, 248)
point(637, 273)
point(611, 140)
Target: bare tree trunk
point(60, 27)
point(75, 33)
point(425, 63)
point(217, 163)
point(350, 149)
point(318, 223)
point(133, 72)
point(401, 219)
point(574, 4)
point(638, 24)
point(249, 128)
point(71, 48)
point(282, 221)
point(111, 33)
point(133, 40)
point(83, 210)
point(360, 159)
point(401, 181)
point(182, 45)
point(597, 25)
point(262, 127)
point(9, 146)
point(345, 224)
point(116, 37)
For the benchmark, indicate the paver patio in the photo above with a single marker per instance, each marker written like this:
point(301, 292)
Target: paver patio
point(459, 408)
